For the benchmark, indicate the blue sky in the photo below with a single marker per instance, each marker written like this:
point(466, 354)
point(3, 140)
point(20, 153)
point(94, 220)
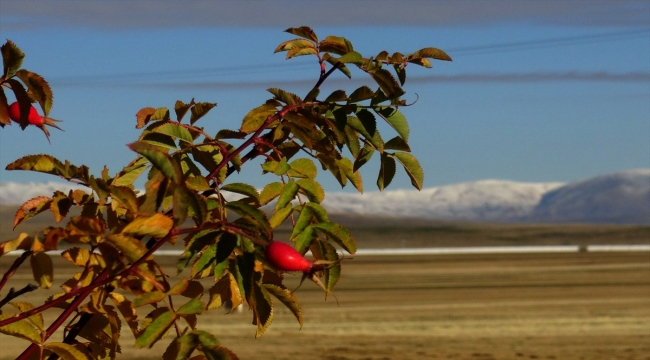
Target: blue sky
point(537, 91)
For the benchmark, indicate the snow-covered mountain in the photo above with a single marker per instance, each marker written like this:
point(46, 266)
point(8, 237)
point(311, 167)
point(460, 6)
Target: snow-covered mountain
point(485, 200)
point(622, 197)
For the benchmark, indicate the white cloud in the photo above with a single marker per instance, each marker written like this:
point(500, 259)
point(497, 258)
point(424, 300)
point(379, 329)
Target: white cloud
point(18, 193)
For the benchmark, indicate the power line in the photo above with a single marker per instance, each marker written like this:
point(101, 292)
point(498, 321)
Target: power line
point(301, 65)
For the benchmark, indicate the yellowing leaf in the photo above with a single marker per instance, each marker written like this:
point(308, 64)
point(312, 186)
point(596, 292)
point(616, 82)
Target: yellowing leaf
point(22, 242)
point(155, 330)
point(339, 234)
point(288, 194)
point(127, 310)
point(279, 216)
point(131, 247)
point(157, 225)
point(149, 298)
point(287, 298)
point(303, 168)
point(226, 289)
point(386, 171)
point(31, 208)
point(270, 192)
point(66, 351)
point(42, 269)
point(21, 329)
point(256, 117)
point(36, 319)
point(312, 189)
point(77, 256)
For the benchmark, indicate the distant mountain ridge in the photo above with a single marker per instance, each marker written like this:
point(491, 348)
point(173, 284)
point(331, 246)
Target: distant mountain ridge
point(619, 198)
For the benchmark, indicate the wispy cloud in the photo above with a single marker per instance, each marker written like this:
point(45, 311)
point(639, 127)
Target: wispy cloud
point(121, 14)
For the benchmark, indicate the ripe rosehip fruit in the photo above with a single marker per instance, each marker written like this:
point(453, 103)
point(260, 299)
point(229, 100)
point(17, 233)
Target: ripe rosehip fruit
point(33, 118)
point(284, 257)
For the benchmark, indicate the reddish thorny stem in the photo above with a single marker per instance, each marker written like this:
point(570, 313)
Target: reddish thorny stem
point(104, 277)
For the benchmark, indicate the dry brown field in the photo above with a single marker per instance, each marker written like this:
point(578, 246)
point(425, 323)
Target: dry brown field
point(511, 306)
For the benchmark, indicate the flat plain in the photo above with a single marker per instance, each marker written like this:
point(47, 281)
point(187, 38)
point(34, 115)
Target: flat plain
point(492, 306)
point(510, 306)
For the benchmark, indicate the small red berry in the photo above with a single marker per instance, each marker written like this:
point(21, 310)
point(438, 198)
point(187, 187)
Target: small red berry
point(33, 118)
point(284, 257)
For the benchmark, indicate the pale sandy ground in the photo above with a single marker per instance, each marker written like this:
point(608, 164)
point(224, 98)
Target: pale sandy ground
point(518, 306)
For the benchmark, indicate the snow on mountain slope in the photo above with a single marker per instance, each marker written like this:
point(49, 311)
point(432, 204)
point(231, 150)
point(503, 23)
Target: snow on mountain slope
point(485, 200)
point(622, 197)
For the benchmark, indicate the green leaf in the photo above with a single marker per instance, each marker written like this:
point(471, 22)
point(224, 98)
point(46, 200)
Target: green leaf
point(335, 62)
point(193, 244)
point(387, 83)
point(429, 52)
point(174, 130)
point(22, 329)
point(287, 298)
point(360, 94)
point(293, 44)
point(256, 118)
point(161, 114)
point(337, 95)
point(313, 94)
point(347, 168)
point(204, 264)
point(304, 219)
point(194, 306)
point(300, 52)
point(397, 120)
point(288, 194)
point(319, 211)
point(277, 167)
point(339, 234)
point(244, 189)
point(132, 248)
point(180, 108)
point(181, 347)
point(312, 190)
point(333, 47)
point(304, 239)
point(254, 215)
point(155, 330)
point(352, 57)
point(39, 163)
point(42, 269)
point(412, 167)
point(197, 183)
point(229, 134)
point(364, 156)
point(262, 308)
point(397, 143)
point(332, 273)
point(12, 59)
point(199, 110)
point(215, 352)
point(304, 32)
point(303, 168)
point(147, 298)
point(285, 96)
point(270, 192)
point(67, 351)
point(131, 172)
point(157, 225)
point(188, 203)
point(386, 171)
point(159, 159)
point(401, 73)
point(279, 216)
point(38, 87)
